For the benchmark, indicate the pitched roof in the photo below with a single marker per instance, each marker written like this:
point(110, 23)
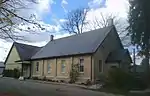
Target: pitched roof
point(26, 51)
point(117, 55)
point(86, 42)
point(2, 64)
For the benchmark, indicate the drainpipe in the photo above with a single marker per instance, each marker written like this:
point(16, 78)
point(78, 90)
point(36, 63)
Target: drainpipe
point(43, 69)
point(56, 68)
point(30, 70)
point(22, 69)
point(91, 69)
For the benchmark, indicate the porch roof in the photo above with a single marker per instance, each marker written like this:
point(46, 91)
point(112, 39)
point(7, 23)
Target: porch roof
point(118, 55)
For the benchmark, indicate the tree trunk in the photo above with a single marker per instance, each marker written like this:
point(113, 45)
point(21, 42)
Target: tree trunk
point(147, 59)
point(134, 63)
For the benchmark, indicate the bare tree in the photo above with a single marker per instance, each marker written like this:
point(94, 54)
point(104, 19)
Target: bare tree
point(103, 21)
point(75, 21)
point(10, 20)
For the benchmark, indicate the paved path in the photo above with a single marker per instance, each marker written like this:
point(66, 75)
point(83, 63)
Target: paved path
point(13, 87)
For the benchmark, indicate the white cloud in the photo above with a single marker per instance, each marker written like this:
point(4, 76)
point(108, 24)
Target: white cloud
point(63, 4)
point(45, 5)
point(38, 9)
point(117, 8)
point(4, 49)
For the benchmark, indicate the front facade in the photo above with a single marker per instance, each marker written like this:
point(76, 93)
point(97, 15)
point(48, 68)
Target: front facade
point(93, 56)
point(59, 68)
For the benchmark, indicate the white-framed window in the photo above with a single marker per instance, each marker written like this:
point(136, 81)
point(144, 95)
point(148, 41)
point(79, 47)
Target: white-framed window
point(48, 67)
point(63, 66)
point(81, 65)
point(37, 66)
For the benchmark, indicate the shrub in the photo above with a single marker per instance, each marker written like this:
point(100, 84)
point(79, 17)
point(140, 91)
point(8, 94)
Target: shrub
point(74, 73)
point(16, 73)
point(8, 73)
point(102, 79)
point(49, 80)
point(44, 78)
point(62, 81)
point(35, 78)
point(123, 80)
point(88, 82)
point(12, 73)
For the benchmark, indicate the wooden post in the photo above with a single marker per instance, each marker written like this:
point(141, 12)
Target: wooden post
point(22, 70)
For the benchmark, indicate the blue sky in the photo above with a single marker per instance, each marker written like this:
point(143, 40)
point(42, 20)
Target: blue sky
point(57, 11)
point(59, 8)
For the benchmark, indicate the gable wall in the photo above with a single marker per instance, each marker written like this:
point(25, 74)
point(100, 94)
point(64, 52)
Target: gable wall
point(13, 56)
point(110, 43)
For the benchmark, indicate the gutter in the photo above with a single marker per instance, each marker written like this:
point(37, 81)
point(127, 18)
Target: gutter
point(91, 69)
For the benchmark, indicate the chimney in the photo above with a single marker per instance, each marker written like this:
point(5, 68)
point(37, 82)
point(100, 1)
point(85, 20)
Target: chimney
point(110, 22)
point(51, 37)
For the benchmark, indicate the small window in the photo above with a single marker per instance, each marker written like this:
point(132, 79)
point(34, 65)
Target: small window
point(63, 66)
point(48, 67)
point(114, 67)
point(37, 66)
point(81, 65)
point(100, 66)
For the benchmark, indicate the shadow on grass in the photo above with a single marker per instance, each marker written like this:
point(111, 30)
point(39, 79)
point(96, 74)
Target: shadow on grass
point(114, 91)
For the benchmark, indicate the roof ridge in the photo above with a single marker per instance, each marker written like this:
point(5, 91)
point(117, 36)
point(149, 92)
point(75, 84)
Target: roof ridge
point(79, 34)
point(73, 36)
point(26, 44)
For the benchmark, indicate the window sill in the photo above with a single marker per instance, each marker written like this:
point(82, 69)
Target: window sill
point(37, 72)
point(48, 72)
point(81, 72)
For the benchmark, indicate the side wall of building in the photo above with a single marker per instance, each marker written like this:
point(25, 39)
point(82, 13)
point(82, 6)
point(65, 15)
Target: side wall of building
point(56, 72)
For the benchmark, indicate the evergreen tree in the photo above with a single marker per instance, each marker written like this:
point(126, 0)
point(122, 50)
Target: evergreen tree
point(139, 27)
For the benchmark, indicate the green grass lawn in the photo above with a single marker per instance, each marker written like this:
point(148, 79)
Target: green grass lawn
point(114, 91)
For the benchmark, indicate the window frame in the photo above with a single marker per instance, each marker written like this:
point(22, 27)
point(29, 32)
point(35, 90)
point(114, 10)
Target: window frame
point(48, 67)
point(37, 67)
point(63, 66)
point(81, 65)
point(100, 68)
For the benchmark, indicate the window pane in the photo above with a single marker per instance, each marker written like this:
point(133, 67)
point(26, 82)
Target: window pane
point(81, 68)
point(37, 66)
point(81, 65)
point(63, 66)
point(81, 61)
point(100, 65)
point(48, 68)
point(113, 67)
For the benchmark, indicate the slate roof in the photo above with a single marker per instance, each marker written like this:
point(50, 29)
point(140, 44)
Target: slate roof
point(86, 42)
point(26, 51)
point(117, 55)
point(2, 64)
